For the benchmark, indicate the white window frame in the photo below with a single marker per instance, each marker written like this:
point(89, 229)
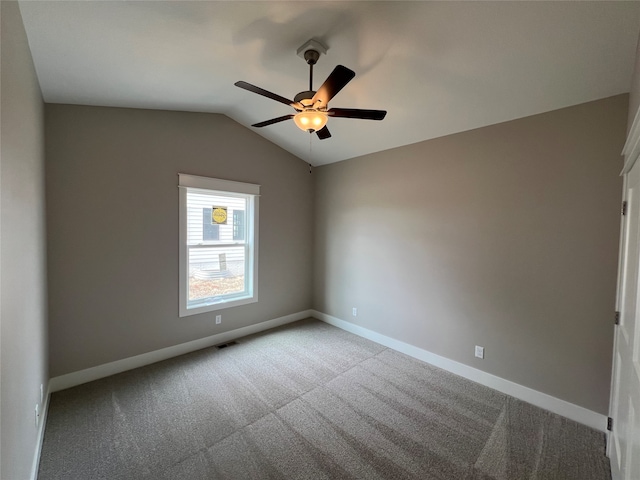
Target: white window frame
point(224, 187)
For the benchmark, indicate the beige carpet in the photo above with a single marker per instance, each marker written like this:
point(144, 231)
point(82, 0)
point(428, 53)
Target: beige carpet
point(307, 401)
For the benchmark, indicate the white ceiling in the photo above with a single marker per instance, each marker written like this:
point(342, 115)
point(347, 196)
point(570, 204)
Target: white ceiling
point(436, 67)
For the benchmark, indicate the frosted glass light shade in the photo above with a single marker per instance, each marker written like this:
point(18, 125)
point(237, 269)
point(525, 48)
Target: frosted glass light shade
point(310, 120)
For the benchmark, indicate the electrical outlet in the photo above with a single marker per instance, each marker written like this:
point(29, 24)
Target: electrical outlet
point(37, 414)
point(479, 351)
point(218, 319)
point(355, 312)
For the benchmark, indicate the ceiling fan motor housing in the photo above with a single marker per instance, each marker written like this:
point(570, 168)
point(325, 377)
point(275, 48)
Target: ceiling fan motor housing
point(304, 98)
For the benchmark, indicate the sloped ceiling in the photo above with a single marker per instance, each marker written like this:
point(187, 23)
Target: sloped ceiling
point(436, 67)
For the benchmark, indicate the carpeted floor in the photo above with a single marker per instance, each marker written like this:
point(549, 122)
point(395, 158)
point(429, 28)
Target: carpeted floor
point(307, 401)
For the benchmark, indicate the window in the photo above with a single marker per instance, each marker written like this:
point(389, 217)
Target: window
point(238, 224)
point(210, 230)
point(218, 244)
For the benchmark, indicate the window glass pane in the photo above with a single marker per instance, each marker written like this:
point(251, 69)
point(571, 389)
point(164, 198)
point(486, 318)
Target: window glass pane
point(207, 213)
point(216, 271)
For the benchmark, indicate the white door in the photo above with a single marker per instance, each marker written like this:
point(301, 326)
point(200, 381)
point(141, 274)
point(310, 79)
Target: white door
point(624, 440)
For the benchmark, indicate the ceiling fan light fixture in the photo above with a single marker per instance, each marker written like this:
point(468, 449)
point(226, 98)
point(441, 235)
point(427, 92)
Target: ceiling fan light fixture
point(311, 120)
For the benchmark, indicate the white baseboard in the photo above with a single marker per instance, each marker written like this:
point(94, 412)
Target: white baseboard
point(529, 395)
point(94, 373)
point(40, 437)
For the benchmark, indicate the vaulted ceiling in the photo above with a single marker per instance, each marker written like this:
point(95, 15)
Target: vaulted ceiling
point(436, 67)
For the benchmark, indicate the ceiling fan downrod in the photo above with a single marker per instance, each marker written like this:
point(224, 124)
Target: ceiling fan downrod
point(311, 56)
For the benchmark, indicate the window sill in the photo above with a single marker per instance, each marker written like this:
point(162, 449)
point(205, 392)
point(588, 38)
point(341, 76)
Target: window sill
point(220, 305)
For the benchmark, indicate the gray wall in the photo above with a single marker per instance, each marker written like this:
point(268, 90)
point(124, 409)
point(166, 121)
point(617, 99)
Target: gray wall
point(22, 250)
point(112, 207)
point(505, 237)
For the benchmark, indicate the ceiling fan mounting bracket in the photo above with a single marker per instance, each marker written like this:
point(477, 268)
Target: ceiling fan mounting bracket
point(311, 56)
point(311, 50)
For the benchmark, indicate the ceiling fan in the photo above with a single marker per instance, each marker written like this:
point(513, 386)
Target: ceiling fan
point(312, 106)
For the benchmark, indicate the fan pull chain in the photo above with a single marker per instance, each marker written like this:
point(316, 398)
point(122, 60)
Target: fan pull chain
point(310, 135)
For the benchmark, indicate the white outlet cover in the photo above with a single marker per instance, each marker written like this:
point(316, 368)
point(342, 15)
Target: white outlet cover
point(479, 351)
point(218, 319)
point(355, 312)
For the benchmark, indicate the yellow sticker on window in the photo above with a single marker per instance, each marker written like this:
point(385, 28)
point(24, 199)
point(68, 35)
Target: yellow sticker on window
point(219, 215)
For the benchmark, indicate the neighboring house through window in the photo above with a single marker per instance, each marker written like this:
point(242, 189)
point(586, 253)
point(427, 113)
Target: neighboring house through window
point(210, 230)
point(238, 225)
point(218, 244)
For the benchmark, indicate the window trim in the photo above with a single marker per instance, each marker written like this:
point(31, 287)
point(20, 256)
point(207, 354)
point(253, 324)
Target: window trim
point(228, 187)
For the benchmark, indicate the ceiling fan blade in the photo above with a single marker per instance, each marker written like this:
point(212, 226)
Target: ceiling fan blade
point(323, 133)
point(272, 121)
point(357, 113)
point(335, 82)
point(265, 93)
